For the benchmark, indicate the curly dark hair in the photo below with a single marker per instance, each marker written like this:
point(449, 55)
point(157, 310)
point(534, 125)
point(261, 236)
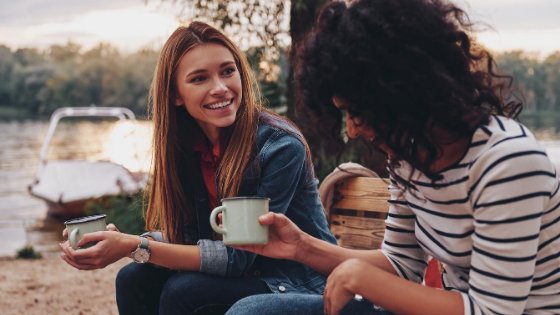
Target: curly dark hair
point(403, 67)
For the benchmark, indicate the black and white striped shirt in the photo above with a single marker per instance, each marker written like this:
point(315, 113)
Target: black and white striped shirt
point(493, 221)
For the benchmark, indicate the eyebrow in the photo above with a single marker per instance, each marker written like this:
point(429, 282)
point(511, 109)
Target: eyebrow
point(198, 71)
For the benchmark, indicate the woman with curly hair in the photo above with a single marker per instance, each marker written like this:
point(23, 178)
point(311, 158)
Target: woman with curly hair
point(213, 139)
point(470, 185)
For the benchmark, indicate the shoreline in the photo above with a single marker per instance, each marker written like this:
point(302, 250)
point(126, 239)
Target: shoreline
point(50, 286)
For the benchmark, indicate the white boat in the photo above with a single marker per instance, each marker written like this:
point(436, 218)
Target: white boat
point(66, 185)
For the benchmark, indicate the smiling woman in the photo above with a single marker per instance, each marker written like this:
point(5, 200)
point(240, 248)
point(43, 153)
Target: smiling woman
point(213, 139)
point(209, 86)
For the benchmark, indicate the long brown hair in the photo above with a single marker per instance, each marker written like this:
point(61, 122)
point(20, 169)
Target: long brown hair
point(171, 201)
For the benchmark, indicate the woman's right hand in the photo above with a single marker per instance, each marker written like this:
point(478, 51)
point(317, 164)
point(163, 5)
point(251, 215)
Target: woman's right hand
point(109, 247)
point(284, 237)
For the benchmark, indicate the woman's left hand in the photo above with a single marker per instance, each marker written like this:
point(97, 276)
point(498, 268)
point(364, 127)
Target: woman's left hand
point(111, 246)
point(342, 284)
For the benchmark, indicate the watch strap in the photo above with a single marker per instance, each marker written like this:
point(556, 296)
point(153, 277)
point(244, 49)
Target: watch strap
point(144, 243)
point(155, 235)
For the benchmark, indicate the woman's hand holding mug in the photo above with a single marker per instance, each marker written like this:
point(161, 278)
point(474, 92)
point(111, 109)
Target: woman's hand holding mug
point(284, 237)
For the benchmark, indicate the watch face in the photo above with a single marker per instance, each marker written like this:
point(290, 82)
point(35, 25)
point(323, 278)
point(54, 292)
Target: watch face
point(141, 255)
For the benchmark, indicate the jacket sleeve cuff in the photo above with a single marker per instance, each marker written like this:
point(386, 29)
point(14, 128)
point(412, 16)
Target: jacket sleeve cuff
point(213, 257)
point(156, 235)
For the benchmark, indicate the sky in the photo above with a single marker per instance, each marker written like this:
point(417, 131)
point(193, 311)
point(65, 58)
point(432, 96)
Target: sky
point(126, 24)
point(530, 25)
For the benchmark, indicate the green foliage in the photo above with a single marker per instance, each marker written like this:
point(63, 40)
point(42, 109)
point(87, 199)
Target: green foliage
point(123, 211)
point(255, 23)
point(37, 82)
point(8, 112)
point(271, 77)
point(537, 82)
point(28, 252)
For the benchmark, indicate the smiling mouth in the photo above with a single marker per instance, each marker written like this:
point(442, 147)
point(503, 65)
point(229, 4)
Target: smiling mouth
point(219, 105)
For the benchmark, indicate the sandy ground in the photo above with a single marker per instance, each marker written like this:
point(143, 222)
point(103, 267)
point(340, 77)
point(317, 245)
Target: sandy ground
point(50, 286)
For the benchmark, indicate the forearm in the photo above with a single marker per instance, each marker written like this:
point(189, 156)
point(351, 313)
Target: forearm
point(401, 296)
point(172, 256)
point(324, 257)
point(175, 256)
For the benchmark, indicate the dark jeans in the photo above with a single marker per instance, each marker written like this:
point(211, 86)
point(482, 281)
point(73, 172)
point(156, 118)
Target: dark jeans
point(146, 289)
point(297, 304)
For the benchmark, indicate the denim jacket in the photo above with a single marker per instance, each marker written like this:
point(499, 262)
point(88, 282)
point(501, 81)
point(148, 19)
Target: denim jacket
point(281, 172)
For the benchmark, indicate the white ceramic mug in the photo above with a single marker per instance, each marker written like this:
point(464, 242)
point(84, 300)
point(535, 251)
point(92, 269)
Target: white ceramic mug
point(240, 220)
point(77, 227)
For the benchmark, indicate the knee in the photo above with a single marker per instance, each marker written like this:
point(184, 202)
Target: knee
point(128, 277)
point(181, 284)
point(183, 291)
point(274, 304)
point(278, 304)
point(247, 306)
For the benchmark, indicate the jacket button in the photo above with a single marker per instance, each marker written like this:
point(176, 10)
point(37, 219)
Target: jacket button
point(282, 288)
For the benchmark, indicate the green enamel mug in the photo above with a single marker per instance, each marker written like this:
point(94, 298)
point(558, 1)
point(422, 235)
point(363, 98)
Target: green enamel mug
point(240, 220)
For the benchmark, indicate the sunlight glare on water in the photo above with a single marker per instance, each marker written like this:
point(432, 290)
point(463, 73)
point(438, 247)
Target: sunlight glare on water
point(126, 145)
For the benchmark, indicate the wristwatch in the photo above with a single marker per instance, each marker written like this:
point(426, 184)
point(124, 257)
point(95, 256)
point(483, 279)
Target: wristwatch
point(141, 254)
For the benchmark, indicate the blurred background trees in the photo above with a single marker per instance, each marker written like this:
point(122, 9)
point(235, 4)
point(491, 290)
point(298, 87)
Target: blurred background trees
point(35, 83)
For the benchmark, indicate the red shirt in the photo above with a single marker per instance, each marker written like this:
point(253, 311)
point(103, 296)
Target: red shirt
point(209, 158)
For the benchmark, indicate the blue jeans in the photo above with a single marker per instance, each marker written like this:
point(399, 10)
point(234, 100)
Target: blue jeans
point(146, 289)
point(297, 304)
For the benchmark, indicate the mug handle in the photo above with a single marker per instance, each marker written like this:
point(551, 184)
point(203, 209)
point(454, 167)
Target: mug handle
point(72, 237)
point(213, 217)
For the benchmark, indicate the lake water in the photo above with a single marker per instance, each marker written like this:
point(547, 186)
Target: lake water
point(23, 218)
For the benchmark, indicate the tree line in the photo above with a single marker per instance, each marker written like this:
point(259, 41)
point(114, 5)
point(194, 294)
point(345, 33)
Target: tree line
point(537, 82)
point(36, 82)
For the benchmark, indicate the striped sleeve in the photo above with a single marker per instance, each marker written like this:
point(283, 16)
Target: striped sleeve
point(399, 244)
point(512, 185)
